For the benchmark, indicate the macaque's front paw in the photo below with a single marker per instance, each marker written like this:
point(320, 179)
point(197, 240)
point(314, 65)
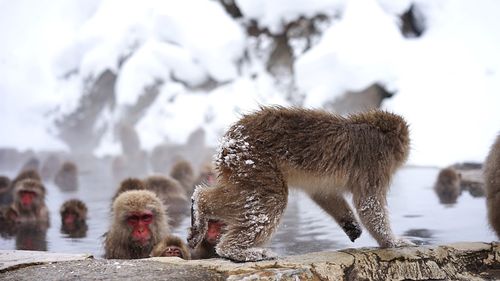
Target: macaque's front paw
point(194, 237)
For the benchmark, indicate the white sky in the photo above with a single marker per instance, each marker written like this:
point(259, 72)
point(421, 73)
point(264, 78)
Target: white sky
point(447, 81)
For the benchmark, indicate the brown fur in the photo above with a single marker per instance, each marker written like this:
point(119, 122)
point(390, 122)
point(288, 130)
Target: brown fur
point(207, 175)
point(492, 186)
point(129, 184)
point(67, 177)
point(325, 154)
point(447, 186)
point(183, 172)
point(171, 241)
point(79, 228)
point(117, 244)
point(172, 195)
point(38, 211)
point(26, 174)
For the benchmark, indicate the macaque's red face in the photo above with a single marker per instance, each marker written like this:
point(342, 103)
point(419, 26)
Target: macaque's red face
point(27, 198)
point(214, 231)
point(70, 220)
point(139, 222)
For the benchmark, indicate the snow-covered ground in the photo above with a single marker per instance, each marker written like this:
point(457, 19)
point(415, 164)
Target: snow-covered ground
point(447, 81)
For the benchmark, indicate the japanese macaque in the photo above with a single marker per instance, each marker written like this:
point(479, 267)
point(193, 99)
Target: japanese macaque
point(50, 166)
point(206, 248)
point(183, 172)
point(74, 218)
point(29, 202)
point(171, 246)
point(207, 175)
point(26, 174)
point(129, 184)
point(5, 191)
point(492, 186)
point(172, 195)
point(325, 154)
point(447, 186)
point(138, 223)
point(67, 177)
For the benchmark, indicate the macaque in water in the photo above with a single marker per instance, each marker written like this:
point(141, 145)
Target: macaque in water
point(5, 191)
point(183, 172)
point(206, 248)
point(207, 175)
point(138, 223)
point(171, 246)
point(67, 177)
point(325, 154)
point(492, 186)
point(129, 184)
point(26, 174)
point(447, 186)
point(29, 202)
point(74, 218)
point(172, 195)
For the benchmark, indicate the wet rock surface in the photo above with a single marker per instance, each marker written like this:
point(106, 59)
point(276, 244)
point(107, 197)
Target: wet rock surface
point(460, 261)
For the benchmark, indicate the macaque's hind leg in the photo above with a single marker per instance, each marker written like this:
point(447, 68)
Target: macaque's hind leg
point(260, 218)
point(373, 213)
point(337, 207)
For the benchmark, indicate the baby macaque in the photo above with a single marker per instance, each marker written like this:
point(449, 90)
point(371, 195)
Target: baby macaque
point(492, 186)
point(5, 191)
point(67, 177)
point(447, 186)
point(138, 223)
point(74, 218)
point(172, 195)
point(29, 202)
point(325, 154)
point(183, 172)
point(206, 248)
point(171, 246)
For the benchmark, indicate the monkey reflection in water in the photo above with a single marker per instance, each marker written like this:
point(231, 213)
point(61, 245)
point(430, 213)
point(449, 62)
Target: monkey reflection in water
point(325, 154)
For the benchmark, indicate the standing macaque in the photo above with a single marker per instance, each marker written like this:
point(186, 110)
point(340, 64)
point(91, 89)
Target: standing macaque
point(67, 177)
point(447, 186)
point(206, 248)
point(29, 202)
point(183, 172)
point(492, 186)
point(138, 223)
point(171, 246)
point(172, 195)
point(325, 154)
point(74, 218)
point(5, 191)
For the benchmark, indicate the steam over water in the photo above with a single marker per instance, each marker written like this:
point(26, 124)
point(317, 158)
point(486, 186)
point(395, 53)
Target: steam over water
point(415, 213)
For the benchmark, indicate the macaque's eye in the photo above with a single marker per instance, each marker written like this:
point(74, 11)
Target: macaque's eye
point(147, 218)
point(133, 219)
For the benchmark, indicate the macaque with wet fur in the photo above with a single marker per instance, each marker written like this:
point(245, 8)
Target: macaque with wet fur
point(29, 202)
point(171, 246)
point(183, 172)
point(447, 186)
point(67, 177)
point(172, 195)
point(138, 223)
point(492, 186)
point(74, 218)
point(325, 154)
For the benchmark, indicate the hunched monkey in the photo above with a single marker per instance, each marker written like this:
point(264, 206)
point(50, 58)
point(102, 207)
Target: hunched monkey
point(323, 153)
